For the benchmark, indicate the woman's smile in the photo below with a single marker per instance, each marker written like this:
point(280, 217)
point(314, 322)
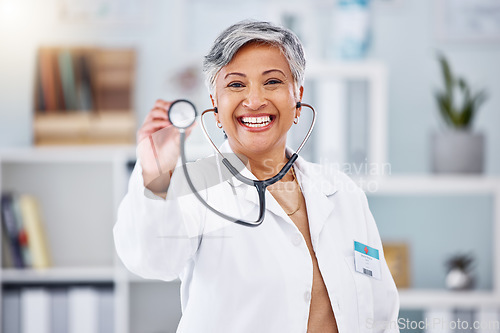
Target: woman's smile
point(257, 122)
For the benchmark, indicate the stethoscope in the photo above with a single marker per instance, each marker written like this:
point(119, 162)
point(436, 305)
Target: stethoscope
point(182, 114)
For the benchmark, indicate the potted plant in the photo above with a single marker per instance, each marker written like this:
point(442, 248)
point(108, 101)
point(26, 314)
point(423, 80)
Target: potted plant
point(458, 149)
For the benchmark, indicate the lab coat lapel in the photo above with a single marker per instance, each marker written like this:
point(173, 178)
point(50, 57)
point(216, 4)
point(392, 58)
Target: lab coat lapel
point(317, 189)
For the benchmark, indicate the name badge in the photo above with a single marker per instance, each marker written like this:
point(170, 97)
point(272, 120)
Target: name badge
point(366, 260)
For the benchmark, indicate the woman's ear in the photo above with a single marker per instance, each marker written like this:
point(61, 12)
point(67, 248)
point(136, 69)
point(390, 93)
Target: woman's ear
point(301, 93)
point(216, 114)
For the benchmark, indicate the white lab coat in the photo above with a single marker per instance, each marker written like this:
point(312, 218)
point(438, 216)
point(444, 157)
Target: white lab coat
point(240, 279)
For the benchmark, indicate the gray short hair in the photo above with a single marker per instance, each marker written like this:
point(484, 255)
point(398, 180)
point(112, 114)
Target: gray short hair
point(244, 32)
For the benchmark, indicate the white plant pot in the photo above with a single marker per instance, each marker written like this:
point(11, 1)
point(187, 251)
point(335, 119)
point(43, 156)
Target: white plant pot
point(457, 151)
point(457, 279)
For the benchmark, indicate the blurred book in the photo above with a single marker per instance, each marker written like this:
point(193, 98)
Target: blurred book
point(68, 82)
point(83, 78)
point(11, 228)
point(48, 79)
point(33, 224)
point(22, 236)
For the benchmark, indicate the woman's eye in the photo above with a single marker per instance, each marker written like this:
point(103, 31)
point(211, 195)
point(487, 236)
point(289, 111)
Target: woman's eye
point(235, 85)
point(273, 81)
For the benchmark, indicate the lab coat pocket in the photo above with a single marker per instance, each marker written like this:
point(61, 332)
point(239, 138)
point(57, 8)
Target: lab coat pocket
point(364, 296)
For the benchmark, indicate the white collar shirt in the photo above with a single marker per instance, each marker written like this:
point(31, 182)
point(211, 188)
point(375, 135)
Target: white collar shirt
point(241, 279)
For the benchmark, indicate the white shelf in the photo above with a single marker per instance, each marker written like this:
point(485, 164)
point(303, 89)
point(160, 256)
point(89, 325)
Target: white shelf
point(421, 299)
point(51, 275)
point(346, 69)
point(429, 184)
point(71, 154)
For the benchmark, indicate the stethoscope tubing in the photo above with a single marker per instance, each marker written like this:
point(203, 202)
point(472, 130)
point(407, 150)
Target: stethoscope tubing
point(260, 189)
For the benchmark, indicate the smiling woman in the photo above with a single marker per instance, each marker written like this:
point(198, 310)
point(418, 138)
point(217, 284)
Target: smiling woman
point(298, 271)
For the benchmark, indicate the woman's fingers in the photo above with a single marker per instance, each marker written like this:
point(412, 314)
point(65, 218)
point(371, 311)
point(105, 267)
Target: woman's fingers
point(161, 104)
point(151, 127)
point(155, 120)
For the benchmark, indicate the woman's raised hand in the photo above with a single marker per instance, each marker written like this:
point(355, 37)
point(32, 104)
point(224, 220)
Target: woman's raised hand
point(158, 147)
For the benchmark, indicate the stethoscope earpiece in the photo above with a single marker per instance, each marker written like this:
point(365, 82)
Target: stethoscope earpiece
point(215, 110)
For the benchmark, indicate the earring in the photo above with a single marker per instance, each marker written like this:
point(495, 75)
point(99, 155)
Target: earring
point(296, 120)
point(219, 124)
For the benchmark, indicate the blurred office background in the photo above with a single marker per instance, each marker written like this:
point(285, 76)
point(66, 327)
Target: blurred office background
point(372, 74)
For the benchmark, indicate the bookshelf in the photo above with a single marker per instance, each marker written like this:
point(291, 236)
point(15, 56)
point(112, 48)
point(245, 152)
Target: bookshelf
point(84, 95)
point(78, 189)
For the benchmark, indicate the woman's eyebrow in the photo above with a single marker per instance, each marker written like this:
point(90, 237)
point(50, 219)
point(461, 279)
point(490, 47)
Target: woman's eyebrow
point(273, 70)
point(234, 73)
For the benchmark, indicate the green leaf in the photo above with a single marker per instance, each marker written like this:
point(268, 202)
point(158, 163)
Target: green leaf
point(444, 105)
point(463, 115)
point(447, 74)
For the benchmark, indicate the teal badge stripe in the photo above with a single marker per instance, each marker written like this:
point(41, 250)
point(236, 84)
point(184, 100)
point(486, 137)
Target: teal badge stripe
point(365, 249)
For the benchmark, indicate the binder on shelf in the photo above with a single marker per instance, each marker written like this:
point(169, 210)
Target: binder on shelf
point(106, 310)
point(440, 319)
point(83, 307)
point(11, 311)
point(35, 310)
point(59, 310)
point(489, 319)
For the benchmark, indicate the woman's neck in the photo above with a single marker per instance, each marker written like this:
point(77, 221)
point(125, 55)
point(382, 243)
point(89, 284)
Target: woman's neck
point(265, 166)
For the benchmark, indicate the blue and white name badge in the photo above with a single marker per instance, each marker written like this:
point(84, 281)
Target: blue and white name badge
point(366, 260)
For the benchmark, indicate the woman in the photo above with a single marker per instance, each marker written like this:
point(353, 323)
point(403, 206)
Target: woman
point(295, 272)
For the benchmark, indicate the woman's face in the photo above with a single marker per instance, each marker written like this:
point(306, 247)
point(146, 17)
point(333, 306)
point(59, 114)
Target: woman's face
point(255, 96)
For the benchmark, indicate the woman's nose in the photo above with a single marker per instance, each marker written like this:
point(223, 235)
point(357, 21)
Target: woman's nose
point(255, 99)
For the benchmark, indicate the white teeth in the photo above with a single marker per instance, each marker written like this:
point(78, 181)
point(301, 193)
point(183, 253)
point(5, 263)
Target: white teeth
point(256, 121)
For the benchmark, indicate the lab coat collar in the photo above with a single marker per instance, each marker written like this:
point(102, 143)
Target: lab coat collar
point(313, 170)
point(314, 181)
